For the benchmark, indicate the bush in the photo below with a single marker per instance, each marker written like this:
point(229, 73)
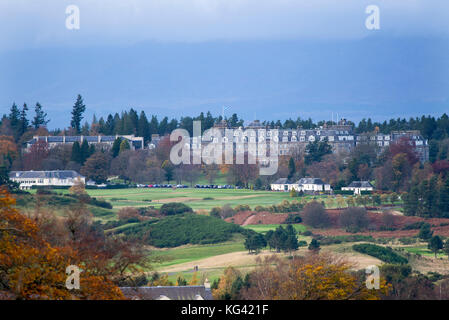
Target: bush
point(100, 203)
point(388, 220)
point(342, 239)
point(293, 218)
point(215, 212)
point(315, 215)
point(242, 207)
point(354, 219)
point(344, 192)
point(407, 240)
point(172, 208)
point(414, 225)
point(302, 243)
point(382, 253)
point(128, 213)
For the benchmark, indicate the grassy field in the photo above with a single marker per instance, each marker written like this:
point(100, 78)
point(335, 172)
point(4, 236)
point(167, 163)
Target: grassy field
point(422, 250)
point(196, 252)
point(264, 228)
point(195, 198)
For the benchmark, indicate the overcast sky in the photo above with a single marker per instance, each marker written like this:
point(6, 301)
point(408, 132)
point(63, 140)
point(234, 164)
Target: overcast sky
point(265, 58)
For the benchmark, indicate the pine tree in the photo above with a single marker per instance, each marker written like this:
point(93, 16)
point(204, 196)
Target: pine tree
point(40, 118)
point(77, 114)
point(14, 116)
point(143, 127)
point(435, 244)
point(291, 168)
point(314, 245)
point(443, 201)
point(91, 150)
point(24, 123)
point(115, 150)
point(76, 153)
point(84, 151)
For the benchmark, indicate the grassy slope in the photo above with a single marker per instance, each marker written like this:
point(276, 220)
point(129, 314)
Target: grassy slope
point(190, 253)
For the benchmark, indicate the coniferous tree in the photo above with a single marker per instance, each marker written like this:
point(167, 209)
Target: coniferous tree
point(314, 245)
point(76, 153)
point(24, 123)
point(154, 125)
point(115, 150)
point(14, 116)
point(77, 114)
point(443, 199)
point(40, 118)
point(435, 244)
point(143, 127)
point(84, 151)
point(91, 150)
point(291, 168)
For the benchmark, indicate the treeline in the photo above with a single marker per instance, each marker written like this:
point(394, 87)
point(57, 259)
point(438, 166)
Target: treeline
point(139, 123)
point(428, 198)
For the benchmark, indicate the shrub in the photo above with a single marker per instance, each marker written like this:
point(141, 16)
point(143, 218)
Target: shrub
point(414, 225)
point(215, 212)
point(354, 219)
point(382, 253)
point(100, 203)
point(128, 213)
point(407, 240)
point(172, 208)
point(302, 243)
point(293, 218)
point(388, 220)
point(242, 207)
point(315, 215)
point(425, 233)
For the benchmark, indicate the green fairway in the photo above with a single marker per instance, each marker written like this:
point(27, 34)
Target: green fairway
point(195, 198)
point(264, 228)
point(422, 250)
point(195, 252)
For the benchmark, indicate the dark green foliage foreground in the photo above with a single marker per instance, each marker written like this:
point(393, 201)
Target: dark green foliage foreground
point(382, 253)
point(178, 230)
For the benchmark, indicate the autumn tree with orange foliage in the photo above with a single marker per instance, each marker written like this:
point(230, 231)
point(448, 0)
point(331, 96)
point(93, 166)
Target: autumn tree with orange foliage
point(313, 277)
point(8, 150)
point(31, 268)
